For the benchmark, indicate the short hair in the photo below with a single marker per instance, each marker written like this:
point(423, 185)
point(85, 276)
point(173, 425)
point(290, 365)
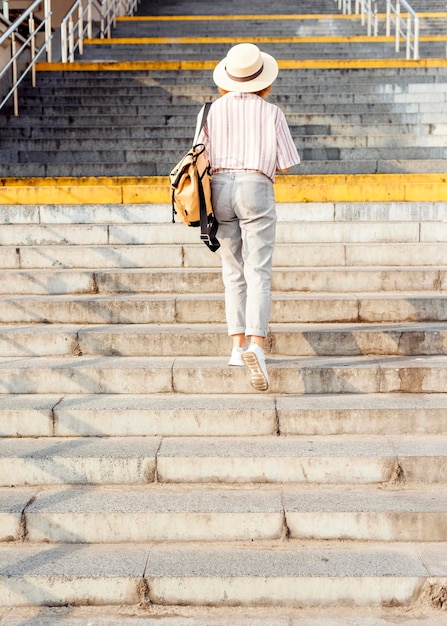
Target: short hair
point(262, 93)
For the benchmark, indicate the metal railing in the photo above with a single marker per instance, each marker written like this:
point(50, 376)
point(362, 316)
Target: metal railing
point(77, 25)
point(24, 48)
point(406, 27)
point(369, 14)
point(114, 8)
point(27, 49)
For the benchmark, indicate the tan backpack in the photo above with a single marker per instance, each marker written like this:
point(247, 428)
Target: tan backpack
point(190, 182)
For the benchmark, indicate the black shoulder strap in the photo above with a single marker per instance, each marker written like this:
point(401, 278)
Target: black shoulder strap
point(208, 224)
point(206, 109)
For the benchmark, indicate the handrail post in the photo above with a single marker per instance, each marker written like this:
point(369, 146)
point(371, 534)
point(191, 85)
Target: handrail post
point(416, 38)
point(48, 35)
point(388, 18)
point(408, 37)
point(70, 40)
point(362, 12)
point(80, 29)
point(376, 20)
point(64, 41)
point(89, 20)
point(32, 49)
point(397, 44)
point(6, 9)
point(14, 72)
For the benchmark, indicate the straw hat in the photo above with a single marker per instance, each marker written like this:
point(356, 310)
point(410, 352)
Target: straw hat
point(245, 68)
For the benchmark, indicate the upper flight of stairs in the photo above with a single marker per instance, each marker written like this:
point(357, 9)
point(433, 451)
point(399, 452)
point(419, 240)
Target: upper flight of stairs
point(380, 119)
point(141, 480)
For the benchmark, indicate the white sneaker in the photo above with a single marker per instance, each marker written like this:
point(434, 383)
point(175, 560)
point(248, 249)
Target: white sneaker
point(236, 358)
point(254, 359)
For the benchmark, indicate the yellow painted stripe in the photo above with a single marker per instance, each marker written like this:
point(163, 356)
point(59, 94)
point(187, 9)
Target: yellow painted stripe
point(284, 16)
point(210, 65)
point(155, 189)
point(234, 18)
point(232, 40)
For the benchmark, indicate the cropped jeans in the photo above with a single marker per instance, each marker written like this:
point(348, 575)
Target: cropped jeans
point(244, 206)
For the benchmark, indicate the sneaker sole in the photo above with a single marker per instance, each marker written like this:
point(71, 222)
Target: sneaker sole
point(239, 364)
point(258, 379)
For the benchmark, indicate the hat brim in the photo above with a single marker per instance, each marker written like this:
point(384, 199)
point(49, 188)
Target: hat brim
point(265, 79)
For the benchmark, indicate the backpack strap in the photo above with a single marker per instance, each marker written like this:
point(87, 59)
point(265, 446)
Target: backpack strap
point(206, 109)
point(208, 224)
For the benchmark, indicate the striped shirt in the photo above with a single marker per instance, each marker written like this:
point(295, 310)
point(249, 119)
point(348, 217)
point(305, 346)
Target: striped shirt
point(244, 132)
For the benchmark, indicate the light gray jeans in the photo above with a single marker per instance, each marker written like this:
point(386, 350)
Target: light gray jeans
point(244, 206)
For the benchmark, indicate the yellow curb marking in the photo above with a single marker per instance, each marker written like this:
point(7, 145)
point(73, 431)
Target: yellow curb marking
point(233, 40)
point(293, 188)
point(284, 16)
point(210, 65)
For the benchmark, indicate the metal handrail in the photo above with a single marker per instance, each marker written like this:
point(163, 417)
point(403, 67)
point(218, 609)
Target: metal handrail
point(113, 9)
point(409, 34)
point(407, 29)
point(28, 44)
point(369, 13)
point(72, 36)
point(75, 30)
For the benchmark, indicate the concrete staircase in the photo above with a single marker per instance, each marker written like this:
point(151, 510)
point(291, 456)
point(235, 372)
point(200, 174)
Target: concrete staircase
point(141, 480)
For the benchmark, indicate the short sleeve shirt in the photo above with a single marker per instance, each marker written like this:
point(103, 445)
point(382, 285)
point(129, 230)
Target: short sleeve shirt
point(245, 132)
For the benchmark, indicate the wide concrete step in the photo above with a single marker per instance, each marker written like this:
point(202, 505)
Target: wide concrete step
point(166, 233)
point(188, 103)
point(149, 374)
point(215, 415)
point(218, 575)
point(171, 157)
point(356, 84)
point(218, 616)
point(161, 513)
point(195, 255)
point(303, 142)
point(321, 115)
point(350, 460)
point(187, 87)
point(337, 103)
point(415, 339)
point(14, 136)
point(136, 281)
point(389, 72)
point(209, 308)
point(346, 50)
point(311, 167)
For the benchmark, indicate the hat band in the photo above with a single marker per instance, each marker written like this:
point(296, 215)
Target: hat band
point(245, 79)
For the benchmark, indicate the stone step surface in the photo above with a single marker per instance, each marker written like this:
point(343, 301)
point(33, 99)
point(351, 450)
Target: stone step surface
point(87, 514)
point(351, 460)
point(192, 255)
point(415, 339)
point(237, 576)
point(305, 143)
point(165, 233)
point(195, 281)
point(195, 616)
point(114, 415)
point(209, 308)
point(321, 166)
point(295, 375)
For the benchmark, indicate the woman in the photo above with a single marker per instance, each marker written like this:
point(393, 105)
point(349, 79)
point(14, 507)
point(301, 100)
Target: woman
point(247, 141)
